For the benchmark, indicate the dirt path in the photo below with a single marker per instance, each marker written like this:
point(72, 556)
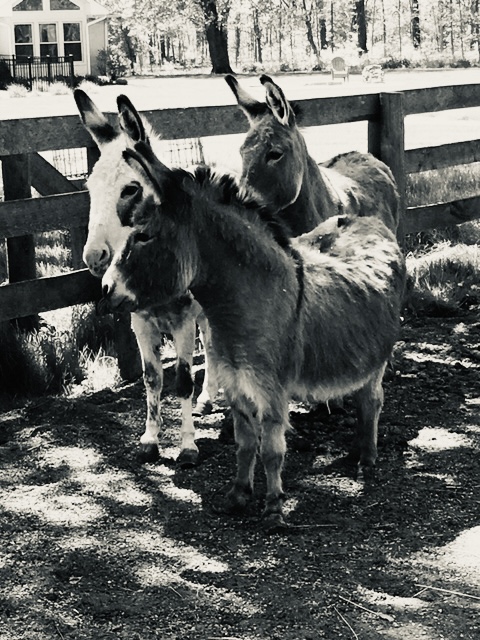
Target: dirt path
point(95, 546)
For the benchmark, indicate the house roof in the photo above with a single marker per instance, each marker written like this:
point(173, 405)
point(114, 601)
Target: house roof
point(92, 8)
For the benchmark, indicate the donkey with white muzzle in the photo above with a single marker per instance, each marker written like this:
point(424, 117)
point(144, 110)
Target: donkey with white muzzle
point(315, 316)
point(109, 226)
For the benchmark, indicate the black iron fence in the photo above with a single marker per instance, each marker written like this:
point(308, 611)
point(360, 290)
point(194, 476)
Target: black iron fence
point(36, 72)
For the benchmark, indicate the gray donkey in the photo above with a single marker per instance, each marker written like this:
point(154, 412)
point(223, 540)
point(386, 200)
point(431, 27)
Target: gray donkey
point(315, 316)
point(276, 165)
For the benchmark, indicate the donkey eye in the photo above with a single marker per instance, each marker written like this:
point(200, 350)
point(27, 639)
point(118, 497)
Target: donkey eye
point(141, 237)
point(130, 190)
point(273, 155)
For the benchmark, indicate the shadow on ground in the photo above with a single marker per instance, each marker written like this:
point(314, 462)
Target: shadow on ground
point(97, 546)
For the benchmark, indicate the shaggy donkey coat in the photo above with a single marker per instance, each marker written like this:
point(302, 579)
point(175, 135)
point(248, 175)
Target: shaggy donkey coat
point(277, 167)
point(316, 316)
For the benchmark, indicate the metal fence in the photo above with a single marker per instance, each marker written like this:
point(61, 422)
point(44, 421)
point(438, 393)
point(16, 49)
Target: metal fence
point(38, 73)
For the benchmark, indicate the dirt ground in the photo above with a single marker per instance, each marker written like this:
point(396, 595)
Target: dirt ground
point(96, 546)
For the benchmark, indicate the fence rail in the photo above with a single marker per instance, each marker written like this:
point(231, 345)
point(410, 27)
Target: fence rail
point(39, 71)
point(22, 167)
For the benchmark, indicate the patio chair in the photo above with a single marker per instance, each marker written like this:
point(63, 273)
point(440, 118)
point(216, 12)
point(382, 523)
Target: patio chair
point(339, 69)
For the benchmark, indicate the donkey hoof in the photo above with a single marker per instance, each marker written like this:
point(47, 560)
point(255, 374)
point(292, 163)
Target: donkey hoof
point(366, 475)
point(274, 523)
point(237, 500)
point(203, 408)
point(187, 458)
point(148, 453)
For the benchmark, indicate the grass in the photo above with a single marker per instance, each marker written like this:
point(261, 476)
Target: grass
point(444, 264)
point(444, 185)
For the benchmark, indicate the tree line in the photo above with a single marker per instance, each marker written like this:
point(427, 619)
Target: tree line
point(242, 35)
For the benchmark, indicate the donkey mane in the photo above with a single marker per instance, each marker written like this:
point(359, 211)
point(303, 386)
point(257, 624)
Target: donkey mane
point(225, 190)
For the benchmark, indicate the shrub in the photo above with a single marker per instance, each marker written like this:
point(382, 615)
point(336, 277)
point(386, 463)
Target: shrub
point(5, 75)
point(59, 89)
point(394, 63)
point(461, 64)
point(112, 62)
point(38, 362)
point(88, 86)
point(17, 91)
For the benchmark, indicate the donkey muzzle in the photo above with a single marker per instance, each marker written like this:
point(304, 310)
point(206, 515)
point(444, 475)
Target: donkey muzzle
point(115, 300)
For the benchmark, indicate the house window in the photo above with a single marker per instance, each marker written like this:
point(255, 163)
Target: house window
point(71, 40)
point(48, 40)
point(29, 5)
point(63, 5)
point(23, 40)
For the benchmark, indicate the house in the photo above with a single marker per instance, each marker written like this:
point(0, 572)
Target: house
point(55, 28)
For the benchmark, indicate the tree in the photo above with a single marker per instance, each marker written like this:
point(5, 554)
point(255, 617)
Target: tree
point(360, 23)
point(415, 23)
point(215, 13)
point(308, 17)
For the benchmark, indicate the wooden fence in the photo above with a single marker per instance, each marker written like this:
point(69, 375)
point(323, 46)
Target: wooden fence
point(63, 207)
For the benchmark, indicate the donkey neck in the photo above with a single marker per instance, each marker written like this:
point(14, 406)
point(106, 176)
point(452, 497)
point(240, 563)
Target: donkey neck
point(235, 249)
point(317, 200)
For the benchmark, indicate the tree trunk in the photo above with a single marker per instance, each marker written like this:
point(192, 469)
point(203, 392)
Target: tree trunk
point(323, 33)
point(475, 26)
point(415, 22)
point(237, 43)
point(258, 37)
point(129, 47)
point(217, 37)
point(384, 28)
point(307, 14)
point(452, 41)
point(332, 38)
point(361, 24)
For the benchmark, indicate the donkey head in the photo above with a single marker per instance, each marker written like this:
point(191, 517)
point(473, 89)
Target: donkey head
point(274, 153)
point(155, 264)
point(113, 184)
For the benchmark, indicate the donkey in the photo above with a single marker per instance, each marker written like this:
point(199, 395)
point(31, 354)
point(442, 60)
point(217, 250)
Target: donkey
point(277, 167)
point(313, 316)
point(109, 226)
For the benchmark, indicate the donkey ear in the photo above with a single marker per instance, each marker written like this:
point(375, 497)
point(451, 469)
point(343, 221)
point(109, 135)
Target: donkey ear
point(251, 107)
point(142, 159)
point(130, 120)
point(93, 119)
point(277, 102)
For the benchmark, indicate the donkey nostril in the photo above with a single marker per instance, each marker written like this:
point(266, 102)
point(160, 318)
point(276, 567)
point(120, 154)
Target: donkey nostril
point(104, 256)
point(105, 290)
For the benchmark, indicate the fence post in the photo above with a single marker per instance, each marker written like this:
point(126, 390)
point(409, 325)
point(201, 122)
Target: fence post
point(30, 73)
point(49, 70)
point(72, 73)
point(128, 355)
point(386, 140)
point(20, 250)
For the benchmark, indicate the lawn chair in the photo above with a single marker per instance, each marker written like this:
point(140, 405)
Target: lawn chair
point(339, 69)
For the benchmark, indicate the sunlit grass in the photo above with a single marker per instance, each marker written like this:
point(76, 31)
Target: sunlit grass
point(443, 185)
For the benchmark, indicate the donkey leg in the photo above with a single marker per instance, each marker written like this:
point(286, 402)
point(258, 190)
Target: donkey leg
point(273, 448)
point(247, 440)
point(369, 403)
point(149, 341)
point(184, 338)
point(209, 387)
